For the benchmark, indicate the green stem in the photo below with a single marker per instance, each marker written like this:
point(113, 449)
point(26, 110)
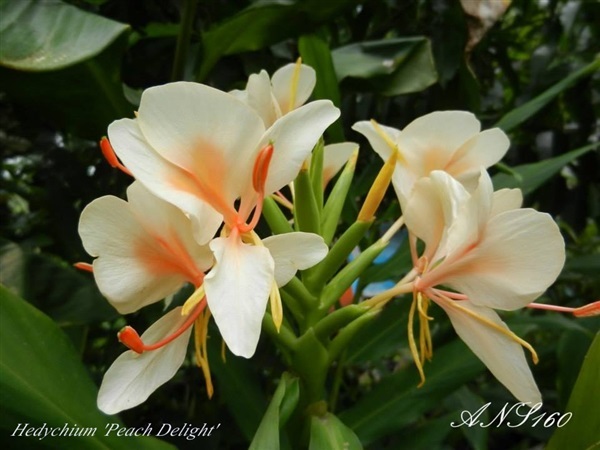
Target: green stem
point(275, 218)
point(296, 289)
point(183, 39)
point(284, 336)
point(337, 381)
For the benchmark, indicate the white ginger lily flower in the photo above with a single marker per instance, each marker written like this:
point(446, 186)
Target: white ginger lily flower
point(145, 251)
point(144, 248)
point(334, 158)
point(201, 150)
point(493, 255)
point(288, 89)
point(451, 141)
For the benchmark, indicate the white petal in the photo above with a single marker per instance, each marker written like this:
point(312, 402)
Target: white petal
point(505, 200)
point(123, 270)
point(378, 142)
point(334, 158)
point(294, 251)
point(443, 131)
point(260, 97)
point(169, 224)
point(482, 150)
point(237, 291)
point(209, 133)
point(519, 256)
point(132, 377)
point(293, 137)
point(293, 81)
point(503, 356)
point(163, 179)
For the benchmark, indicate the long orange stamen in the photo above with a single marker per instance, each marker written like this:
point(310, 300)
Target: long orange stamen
point(132, 340)
point(259, 179)
point(593, 309)
point(111, 157)
point(86, 267)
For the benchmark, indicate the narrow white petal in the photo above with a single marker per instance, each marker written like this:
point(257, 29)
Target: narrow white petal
point(132, 377)
point(292, 81)
point(237, 291)
point(293, 137)
point(380, 144)
point(260, 97)
point(294, 251)
point(334, 158)
point(503, 356)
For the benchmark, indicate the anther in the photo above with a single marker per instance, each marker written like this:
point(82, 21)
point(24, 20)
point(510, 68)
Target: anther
point(111, 157)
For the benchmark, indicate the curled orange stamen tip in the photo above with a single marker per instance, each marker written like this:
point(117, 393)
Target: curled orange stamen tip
point(593, 309)
point(261, 168)
point(109, 154)
point(86, 267)
point(131, 339)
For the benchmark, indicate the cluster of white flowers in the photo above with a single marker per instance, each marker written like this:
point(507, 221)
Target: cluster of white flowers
point(204, 160)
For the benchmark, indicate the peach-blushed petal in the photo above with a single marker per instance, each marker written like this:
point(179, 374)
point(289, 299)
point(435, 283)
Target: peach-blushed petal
point(482, 150)
point(294, 251)
point(127, 278)
point(132, 377)
point(165, 180)
point(520, 254)
point(334, 158)
point(503, 356)
point(505, 200)
point(432, 139)
point(237, 291)
point(169, 224)
point(209, 133)
point(293, 137)
point(292, 85)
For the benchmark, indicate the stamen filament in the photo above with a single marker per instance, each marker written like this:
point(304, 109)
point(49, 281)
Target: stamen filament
point(131, 339)
point(411, 340)
point(259, 179)
point(200, 337)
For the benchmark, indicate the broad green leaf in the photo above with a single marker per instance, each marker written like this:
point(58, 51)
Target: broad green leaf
point(328, 432)
point(282, 405)
point(389, 67)
point(73, 84)
point(581, 431)
point(382, 336)
point(315, 53)
point(238, 385)
point(50, 35)
point(429, 435)
point(584, 264)
point(69, 297)
point(524, 112)
point(466, 400)
point(528, 177)
point(264, 23)
point(42, 381)
point(397, 401)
